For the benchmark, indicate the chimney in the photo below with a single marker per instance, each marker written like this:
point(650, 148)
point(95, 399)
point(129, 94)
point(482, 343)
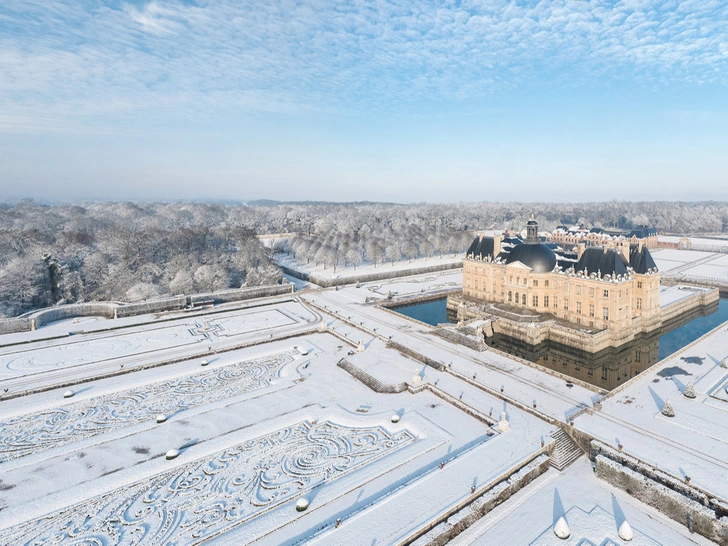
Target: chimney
point(580, 248)
point(497, 240)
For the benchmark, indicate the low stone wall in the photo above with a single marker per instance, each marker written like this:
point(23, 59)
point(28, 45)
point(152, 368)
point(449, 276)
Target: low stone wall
point(673, 503)
point(415, 355)
point(367, 277)
point(722, 287)
point(156, 306)
point(457, 520)
point(369, 380)
point(454, 336)
point(14, 325)
point(100, 309)
point(36, 319)
point(238, 294)
point(702, 298)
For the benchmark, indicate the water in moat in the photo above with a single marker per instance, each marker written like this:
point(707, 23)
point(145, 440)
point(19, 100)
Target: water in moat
point(606, 369)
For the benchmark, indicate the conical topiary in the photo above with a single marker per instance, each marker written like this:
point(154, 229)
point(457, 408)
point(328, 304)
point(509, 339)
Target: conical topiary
point(561, 529)
point(689, 391)
point(625, 531)
point(668, 410)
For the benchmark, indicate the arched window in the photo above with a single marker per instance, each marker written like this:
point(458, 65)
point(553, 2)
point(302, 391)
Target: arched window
point(518, 299)
point(524, 300)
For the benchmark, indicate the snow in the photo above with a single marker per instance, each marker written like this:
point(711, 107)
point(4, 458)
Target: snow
point(687, 265)
point(672, 294)
point(273, 421)
point(366, 268)
point(691, 443)
point(593, 509)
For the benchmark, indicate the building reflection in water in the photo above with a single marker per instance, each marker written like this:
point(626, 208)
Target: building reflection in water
point(607, 369)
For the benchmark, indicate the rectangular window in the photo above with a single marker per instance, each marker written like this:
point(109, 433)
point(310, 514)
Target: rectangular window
point(578, 308)
point(591, 291)
point(556, 284)
point(535, 283)
point(637, 356)
point(591, 310)
point(556, 301)
point(606, 293)
point(604, 373)
point(639, 303)
point(578, 289)
point(566, 305)
point(639, 284)
point(546, 284)
point(511, 279)
point(590, 371)
point(518, 280)
point(535, 301)
point(605, 313)
point(545, 301)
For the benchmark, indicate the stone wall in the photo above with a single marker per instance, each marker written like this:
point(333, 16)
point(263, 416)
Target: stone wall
point(722, 287)
point(13, 325)
point(674, 504)
point(238, 294)
point(702, 298)
point(457, 520)
point(369, 380)
point(36, 319)
point(156, 306)
point(417, 356)
point(454, 336)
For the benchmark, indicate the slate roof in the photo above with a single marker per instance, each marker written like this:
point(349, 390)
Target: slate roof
point(641, 260)
point(539, 257)
point(596, 260)
point(642, 232)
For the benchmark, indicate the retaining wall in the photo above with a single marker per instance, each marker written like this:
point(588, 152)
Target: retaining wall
point(679, 507)
point(685, 305)
point(455, 521)
point(107, 309)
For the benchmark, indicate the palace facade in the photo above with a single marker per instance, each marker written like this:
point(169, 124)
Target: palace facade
point(615, 286)
point(643, 235)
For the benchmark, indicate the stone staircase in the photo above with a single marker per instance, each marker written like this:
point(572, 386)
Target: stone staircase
point(565, 451)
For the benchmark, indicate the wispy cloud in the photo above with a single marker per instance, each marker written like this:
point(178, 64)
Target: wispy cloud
point(73, 62)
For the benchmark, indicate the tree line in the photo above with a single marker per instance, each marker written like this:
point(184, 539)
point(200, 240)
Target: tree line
point(125, 251)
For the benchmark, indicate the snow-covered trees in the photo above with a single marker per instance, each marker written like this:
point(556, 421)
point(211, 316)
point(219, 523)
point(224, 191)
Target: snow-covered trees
point(104, 251)
point(123, 251)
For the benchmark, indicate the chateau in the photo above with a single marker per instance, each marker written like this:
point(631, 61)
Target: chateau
point(614, 287)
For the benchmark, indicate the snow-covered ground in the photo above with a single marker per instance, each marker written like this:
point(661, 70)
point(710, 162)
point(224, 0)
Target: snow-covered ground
point(692, 264)
point(592, 508)
point(695, 441)
point(272, 418)
point(406, 286)
point(86, 354)
point(366, 268)
point(699, 243)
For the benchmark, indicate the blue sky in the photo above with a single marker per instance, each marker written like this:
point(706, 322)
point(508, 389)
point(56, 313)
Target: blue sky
point(569, 100)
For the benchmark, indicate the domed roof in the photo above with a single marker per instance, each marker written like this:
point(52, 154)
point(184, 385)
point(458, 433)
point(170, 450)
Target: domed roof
point(539, 257)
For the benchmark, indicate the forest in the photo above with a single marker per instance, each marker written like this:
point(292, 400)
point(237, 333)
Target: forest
point(123, 251)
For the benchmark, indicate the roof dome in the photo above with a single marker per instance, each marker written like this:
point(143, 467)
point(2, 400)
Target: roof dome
point(539, 257)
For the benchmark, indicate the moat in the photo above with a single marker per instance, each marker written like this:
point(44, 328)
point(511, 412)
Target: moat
point(608, 368)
